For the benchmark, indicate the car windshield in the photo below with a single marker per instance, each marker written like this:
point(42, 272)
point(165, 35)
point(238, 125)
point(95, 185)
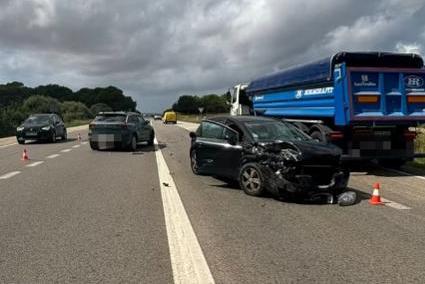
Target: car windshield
point(110, 118)
point(263, 131)
point(39, 119)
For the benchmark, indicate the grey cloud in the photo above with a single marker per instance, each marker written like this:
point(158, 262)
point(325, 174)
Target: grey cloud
point(157, 50)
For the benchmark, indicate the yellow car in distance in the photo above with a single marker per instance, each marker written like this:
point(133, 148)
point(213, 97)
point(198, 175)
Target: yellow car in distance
point(169, 117)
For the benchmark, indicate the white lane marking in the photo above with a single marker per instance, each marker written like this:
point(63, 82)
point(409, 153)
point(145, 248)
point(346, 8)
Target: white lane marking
point(405, 173)
point(53, 156)
point(394, 205)
point(76, 146)
point(34, 164)
point(84, 143)
point(187, 260)
point(66, 150)
point(9, 175)
point(8, 145)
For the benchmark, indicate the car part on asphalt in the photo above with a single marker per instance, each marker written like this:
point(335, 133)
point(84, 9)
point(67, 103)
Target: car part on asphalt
point(347, 198)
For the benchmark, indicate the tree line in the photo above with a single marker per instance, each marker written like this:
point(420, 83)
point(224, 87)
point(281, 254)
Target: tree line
point(212, 103)
point(18, 101)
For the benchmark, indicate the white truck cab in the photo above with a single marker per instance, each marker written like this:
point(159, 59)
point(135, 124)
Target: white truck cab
point(238, 104)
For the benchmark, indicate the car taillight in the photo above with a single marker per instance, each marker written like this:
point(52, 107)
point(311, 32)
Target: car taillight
point(409, 135)
point(336, 135)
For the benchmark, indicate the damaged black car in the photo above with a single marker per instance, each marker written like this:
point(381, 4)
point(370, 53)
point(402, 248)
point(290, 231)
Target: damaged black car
point(265, 154)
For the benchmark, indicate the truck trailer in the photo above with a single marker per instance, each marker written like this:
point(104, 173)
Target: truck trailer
point(367, 103)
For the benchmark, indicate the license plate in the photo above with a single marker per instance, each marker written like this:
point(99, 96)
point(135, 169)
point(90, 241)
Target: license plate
point(31, 133)
point(105, 138)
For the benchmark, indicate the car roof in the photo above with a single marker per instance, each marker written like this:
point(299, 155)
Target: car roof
point(242, 118)
point(117, 113)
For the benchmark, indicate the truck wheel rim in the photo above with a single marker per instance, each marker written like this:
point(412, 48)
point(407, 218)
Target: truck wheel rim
point(251, 179)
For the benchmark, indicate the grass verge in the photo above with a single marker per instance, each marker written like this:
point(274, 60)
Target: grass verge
point(77, 123)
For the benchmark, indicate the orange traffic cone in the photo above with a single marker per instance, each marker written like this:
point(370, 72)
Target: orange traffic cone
point(376, 198)
point(25, 156)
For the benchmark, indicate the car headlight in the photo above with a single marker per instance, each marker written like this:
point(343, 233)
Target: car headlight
point(46, 128)
point(20, 128)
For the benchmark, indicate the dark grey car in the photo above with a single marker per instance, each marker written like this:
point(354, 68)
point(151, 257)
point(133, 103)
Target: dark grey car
point(120, 130)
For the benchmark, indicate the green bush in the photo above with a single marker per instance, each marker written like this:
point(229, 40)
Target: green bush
point(96, 108)
point(41, 104)
point(75, 111)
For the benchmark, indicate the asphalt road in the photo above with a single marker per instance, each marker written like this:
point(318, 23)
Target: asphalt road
point(100, 216)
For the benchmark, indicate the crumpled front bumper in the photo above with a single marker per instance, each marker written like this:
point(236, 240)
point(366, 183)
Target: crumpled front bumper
point(278, 184)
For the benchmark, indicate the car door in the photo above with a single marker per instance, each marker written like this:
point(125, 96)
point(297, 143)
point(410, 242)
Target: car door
point(134, 125)
point(57, 125)
point(145, 128)
point(217, 150)
point(61, 125)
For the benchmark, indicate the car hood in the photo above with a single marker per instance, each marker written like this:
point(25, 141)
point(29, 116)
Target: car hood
point(309, 152)
point(35, 125)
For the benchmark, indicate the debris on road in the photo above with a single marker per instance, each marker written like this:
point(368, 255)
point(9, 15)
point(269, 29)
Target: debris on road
point(165, 184)
point(347, 198)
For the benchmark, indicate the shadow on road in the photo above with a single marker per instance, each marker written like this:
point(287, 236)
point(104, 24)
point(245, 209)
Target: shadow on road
point(59, 141)
point(233, 185)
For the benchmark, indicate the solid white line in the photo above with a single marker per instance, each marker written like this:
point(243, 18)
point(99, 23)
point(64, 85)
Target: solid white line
point(9, 175)
point(53, 156)
point(405, 173)
point(66, 150)
point(187, 260)
point(34, 164)
point(84, 143)
point(76, 146)
point(394, 205)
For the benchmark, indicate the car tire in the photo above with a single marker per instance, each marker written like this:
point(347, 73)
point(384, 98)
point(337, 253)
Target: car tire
point(65, 135)
point(53, 137)
point(133, 143)
point(251, 179)
point(194, 163)
point(21, 141)
point(151, 139)
point(94, 145)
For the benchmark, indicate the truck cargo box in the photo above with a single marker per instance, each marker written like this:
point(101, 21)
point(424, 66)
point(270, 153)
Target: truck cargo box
point(347, 88)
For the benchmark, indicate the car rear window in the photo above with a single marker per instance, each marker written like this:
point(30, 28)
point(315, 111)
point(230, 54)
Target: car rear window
point(110, 118)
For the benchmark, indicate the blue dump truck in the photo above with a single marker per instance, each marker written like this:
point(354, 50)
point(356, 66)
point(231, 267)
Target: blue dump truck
point(367, 103)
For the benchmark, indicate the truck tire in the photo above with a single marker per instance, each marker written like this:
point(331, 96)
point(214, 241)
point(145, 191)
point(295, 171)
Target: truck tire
point(320, 133)
point(317, 135)
point(301, 126)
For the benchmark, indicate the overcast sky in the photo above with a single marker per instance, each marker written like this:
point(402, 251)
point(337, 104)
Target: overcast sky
point(158, 50)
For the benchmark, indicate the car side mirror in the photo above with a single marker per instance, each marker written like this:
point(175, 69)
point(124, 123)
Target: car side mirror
point(148, 121)
point(231, 139)
point(192, 135)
